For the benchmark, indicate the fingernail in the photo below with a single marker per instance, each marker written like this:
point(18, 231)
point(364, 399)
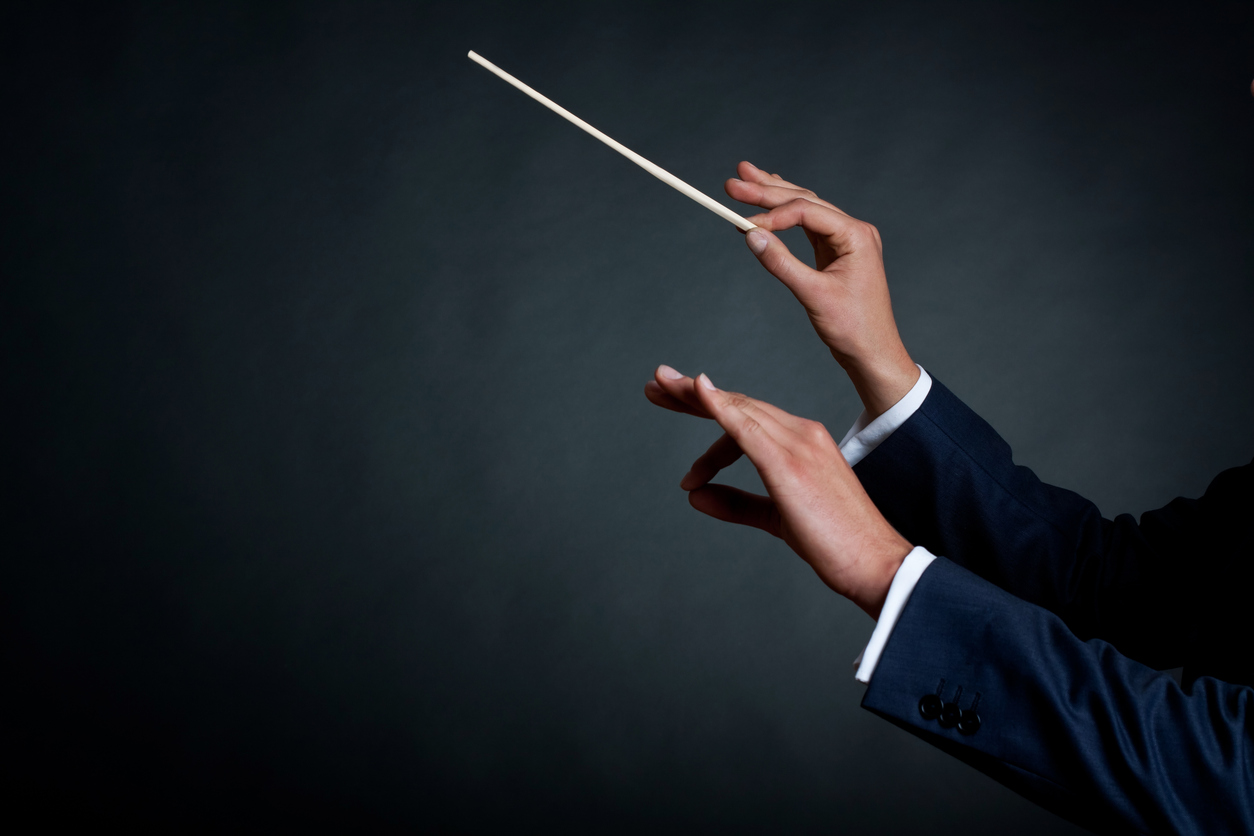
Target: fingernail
point(669, 373)
point(757, 241)
point(683, 483)
point(706, 382)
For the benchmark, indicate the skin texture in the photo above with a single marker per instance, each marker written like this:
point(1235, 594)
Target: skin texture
point(815, 503)
point(845, 294)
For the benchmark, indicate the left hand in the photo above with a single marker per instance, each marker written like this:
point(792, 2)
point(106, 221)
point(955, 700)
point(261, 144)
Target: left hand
point(816, 504)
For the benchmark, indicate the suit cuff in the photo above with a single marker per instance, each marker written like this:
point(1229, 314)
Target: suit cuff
point(904, 581)
point(864, 436)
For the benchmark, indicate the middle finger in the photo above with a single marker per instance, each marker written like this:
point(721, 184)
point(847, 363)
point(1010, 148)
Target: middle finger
point(771, 196)
point(683, 390)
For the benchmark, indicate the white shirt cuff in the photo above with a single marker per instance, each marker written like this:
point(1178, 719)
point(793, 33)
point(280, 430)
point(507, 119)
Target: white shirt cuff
point(863, 437)
point(904, 581)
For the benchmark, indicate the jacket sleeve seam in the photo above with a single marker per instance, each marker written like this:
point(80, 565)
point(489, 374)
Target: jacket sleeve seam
point(1007, 491)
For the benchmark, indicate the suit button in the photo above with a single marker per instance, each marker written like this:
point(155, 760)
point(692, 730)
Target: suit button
point(949, 715)
point(930, 707)
point(969, 723)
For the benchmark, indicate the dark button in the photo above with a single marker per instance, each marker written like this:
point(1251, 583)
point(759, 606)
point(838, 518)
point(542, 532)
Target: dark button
point(930, 707)
point(950, 714)
point(969, 723)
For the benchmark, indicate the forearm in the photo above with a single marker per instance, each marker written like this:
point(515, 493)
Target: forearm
point(1072, 725)
point(948, 482)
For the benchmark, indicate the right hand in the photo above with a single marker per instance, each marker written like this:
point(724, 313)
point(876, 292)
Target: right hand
point(846, 297)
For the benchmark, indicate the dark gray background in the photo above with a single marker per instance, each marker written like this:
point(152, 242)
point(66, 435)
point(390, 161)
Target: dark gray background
point(331, 497)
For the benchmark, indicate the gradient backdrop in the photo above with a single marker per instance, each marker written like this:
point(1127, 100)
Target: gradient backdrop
point(331, 498)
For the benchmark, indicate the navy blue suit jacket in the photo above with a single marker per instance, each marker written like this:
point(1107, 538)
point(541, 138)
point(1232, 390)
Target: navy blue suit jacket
point(1051, 623)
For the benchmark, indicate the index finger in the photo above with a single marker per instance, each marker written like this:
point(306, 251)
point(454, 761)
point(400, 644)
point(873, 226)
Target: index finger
point(754, 430)
point(840, 229)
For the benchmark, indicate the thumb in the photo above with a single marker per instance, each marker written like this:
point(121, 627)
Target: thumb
point(779, 261)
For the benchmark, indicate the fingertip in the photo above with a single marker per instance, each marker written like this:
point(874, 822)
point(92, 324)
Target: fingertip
point(657, 396)
point(668, 373)
point(708, 396)
point(747, 170)
point(696, 498)
point(709, 501)
point(733, 187)
point(757, 240)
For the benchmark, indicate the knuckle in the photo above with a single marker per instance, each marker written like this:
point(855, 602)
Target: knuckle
point(750, 426)
point(815, 432)
point(863, 232)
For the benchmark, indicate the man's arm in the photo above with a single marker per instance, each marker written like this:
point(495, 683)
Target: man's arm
point(948, 482)
point(1072, 725)
point(994, 680)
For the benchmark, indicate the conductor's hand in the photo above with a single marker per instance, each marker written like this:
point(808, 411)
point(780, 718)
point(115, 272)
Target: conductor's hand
point(845, 293)
point(816, 503)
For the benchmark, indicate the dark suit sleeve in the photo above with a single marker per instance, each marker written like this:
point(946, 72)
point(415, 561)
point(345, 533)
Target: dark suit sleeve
point(947, 482)
point(1072, 725)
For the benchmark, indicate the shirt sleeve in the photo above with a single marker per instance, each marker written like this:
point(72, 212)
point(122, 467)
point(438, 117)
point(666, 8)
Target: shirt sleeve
point(903, 584)
point(864, 436)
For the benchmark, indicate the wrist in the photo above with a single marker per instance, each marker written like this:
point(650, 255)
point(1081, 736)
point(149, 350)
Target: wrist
point(882, 383)
point(881, 569)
